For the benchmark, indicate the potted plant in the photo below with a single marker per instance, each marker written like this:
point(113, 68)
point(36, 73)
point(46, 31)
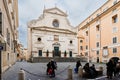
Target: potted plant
point(47, 53)
point(65, 53)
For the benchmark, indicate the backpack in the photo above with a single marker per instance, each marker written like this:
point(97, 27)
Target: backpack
point(75, 70)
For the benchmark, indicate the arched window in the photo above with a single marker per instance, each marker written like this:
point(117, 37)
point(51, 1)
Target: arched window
point(55, 23)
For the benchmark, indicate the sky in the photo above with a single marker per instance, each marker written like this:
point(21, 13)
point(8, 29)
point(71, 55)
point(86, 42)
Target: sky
point(77, 10)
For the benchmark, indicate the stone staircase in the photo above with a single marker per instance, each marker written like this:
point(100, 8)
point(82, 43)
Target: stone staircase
point(57, 59)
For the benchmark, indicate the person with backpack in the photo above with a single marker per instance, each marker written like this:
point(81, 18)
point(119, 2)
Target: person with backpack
point(51, 66)
point(78, 64)
point(54, 66)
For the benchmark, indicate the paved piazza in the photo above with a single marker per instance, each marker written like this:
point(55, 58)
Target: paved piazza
point(40, 70)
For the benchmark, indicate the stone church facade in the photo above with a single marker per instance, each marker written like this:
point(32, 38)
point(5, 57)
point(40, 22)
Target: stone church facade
point(51, 35)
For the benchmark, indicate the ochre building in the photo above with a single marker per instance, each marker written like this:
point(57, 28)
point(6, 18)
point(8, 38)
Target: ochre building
point(99, 34)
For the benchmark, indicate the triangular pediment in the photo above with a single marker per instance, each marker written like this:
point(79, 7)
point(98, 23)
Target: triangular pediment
point(55, 11)
point(56, 30)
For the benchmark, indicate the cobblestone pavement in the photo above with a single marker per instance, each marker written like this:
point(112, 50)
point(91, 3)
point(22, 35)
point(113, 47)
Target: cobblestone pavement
point(37, 71)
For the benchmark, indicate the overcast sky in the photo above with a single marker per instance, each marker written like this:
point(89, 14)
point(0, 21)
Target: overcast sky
point(77, 10)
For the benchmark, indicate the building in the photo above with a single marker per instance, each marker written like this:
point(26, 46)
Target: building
point(99, 37)
point(26, 55)
point(51, 35)
point(20, 52)
point(8, 32)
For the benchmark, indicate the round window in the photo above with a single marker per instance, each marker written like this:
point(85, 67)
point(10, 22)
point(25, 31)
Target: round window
point(70, 41)
point(55, 23)
point(39, 39)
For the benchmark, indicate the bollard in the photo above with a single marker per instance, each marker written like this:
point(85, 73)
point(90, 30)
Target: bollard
point(21, 75)
point(80, 71)
point(101, 70)
point(70, 73)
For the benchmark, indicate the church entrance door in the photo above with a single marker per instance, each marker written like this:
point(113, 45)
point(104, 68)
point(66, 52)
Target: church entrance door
point(56, 52)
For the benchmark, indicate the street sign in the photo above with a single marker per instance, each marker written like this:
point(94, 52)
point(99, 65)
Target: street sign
point(1, 47)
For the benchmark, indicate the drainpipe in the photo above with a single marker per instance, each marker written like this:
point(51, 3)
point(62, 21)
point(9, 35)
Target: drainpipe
point(100, 56)
point(89, 41)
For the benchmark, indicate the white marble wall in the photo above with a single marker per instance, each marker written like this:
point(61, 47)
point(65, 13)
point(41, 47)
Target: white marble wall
point(47, 38)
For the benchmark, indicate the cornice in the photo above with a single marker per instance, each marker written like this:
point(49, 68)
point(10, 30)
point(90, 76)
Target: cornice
point(50, 28)
point(55, 13)
point(101, 15)
point(55, 30)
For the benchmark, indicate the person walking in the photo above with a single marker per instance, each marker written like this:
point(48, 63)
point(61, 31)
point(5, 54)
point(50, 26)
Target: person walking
point(118, 68)
point(54, 66)
point(48, 68)
point(78, 64)
point(110, 69)
point(94, 70)
point(51, 66)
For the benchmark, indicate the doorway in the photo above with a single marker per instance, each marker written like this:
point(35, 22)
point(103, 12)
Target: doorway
point(56, 52)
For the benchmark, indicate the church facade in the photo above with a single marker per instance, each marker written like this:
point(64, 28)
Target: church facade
point(51, 35)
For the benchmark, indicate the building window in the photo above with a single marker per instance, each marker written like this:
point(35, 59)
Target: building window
point(12, 45)
point(81, 48)
point(86, 53)
point(0, 23)
point(97, 28)
point(86, 40)
point(97, 52)
point(56, 38)
point(71, 42)
point(114, 29)
point(114, 40)
point(8, 37)
point(105, 51)
point(115, 1)
point(97, 44)
point(114, 50)
point(86, 33)
point(8, 56)
point(81, 41)
point(39, 39)
point(98, 36)
point(114, 19)
point(86, 47)
point(55, 23)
